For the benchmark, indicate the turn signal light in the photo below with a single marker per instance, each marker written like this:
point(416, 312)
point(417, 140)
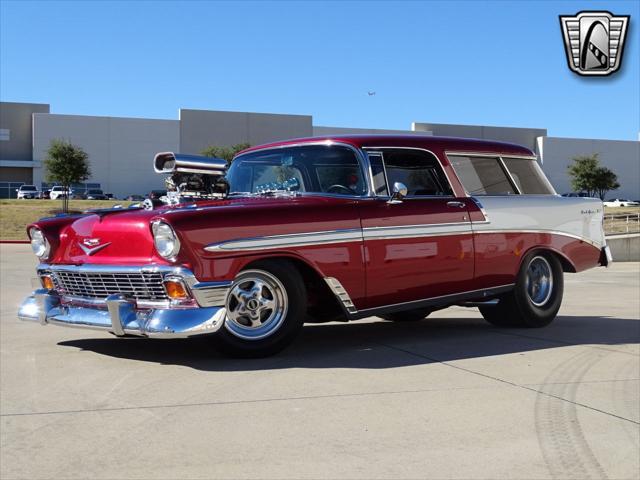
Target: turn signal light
point(47, 282)
point(175, 289)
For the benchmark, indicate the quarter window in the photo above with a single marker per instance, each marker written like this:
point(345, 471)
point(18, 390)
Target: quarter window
point(482, 175)
point(420, 171)
point(528, 176)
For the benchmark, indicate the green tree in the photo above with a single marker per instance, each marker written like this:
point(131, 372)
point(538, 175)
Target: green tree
point(65, 165)
point(588, 176)
point(226, 153)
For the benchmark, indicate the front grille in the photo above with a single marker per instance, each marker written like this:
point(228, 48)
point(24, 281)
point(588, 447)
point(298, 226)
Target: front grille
point(145, 286)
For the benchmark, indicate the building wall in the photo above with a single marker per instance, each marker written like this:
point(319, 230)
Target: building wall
point(16, 174)
point(521, 136)
point(623, 157)
point(16, 118)
point(121, 150)
point(200, 129)
point(321, 131)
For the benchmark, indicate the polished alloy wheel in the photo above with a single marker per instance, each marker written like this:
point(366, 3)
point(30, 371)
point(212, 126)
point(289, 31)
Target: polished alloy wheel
point(539, 281)
point(256, 305)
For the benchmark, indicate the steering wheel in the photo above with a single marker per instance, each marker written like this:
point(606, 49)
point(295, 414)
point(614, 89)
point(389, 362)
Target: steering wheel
point(337, 188)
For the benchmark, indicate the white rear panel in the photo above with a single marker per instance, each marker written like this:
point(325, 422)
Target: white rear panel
point(572, 216)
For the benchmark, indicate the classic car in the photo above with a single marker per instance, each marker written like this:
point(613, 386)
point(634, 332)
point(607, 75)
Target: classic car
point(620, 202)
point(316, 230)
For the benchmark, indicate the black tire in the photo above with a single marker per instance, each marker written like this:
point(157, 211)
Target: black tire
point(407, 315)
point(236, 339)
point(519, 307)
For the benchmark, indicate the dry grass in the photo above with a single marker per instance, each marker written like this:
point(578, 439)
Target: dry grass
point(15, 215)
point(621, 220)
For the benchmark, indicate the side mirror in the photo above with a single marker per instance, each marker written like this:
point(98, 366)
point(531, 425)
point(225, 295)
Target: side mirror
point(399, 192)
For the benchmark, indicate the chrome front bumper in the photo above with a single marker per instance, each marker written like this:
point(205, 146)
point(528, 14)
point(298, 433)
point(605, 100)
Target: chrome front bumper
point(120, 316)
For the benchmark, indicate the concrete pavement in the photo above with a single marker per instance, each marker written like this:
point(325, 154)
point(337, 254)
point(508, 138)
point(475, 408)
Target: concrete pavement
point(448, 397)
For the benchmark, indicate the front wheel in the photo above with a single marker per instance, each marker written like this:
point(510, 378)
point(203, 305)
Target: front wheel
point(266, 307)
point(536, 298)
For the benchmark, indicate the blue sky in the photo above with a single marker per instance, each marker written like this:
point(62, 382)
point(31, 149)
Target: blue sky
point(488, 63)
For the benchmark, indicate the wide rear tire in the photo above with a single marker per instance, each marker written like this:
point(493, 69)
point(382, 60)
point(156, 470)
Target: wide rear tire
point(266, 308)
point(536, 298)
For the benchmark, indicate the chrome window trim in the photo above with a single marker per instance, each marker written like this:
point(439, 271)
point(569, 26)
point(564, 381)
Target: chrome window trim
point(515, 186)
point(410, 197)
point(362, 159)
point(487, 154)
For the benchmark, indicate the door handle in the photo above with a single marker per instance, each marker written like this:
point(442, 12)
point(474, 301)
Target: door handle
point(456, 204)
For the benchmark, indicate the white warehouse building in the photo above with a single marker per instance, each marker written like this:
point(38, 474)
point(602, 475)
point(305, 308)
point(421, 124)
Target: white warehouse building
point(121, 149)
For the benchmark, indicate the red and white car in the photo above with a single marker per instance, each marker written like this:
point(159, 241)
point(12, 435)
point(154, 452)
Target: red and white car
point(320, 229)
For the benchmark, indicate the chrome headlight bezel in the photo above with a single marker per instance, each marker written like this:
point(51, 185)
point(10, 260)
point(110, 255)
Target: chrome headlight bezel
point(165, 240)
point(39, 243)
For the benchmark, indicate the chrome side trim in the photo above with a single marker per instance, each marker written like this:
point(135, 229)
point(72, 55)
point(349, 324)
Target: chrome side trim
point(341, 294)
point(410, 231)
point(210, 294)
point(288, 240)
point(541, 231)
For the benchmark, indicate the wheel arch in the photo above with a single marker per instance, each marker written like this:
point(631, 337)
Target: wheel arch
point(567, 265)
point(319, 295)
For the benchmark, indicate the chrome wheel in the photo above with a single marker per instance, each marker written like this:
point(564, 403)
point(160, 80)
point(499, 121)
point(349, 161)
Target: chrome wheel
point(256, 305)
point(539, 281)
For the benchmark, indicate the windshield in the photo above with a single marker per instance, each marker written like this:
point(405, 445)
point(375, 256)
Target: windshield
point(99, 192)
point(27, 187)
point(329, 169)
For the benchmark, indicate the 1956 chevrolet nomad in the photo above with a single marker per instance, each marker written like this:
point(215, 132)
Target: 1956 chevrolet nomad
point(315, 230)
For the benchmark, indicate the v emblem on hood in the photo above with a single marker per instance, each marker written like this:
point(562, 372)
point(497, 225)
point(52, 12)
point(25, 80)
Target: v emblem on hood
point(89, 245)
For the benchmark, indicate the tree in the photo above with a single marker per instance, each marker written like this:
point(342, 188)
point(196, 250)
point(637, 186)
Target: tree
point(227, 153)
point(588, 176)
point(66, 164)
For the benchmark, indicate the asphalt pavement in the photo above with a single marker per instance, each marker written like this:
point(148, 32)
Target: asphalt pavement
point(447, 397)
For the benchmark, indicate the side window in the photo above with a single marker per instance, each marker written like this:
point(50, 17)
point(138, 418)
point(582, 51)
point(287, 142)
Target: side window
point(528, 176)
point(482, 175)
point(420, 171)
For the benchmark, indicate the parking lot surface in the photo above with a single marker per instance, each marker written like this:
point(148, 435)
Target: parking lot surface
point(447, 397)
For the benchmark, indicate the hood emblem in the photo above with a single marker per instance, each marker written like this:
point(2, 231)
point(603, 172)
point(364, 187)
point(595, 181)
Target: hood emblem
point(92, 245)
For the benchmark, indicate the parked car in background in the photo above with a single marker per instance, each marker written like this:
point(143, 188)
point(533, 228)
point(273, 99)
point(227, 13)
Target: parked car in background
point(320, 229)
point(95, 194)
point(135, 198)
point(59, 192)
point(45, 194)
point(27, 191)
point(620, 202)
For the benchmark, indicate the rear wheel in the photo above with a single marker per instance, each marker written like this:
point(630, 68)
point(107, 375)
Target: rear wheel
point(407, 315)
point(266, 307)
point(536, 298)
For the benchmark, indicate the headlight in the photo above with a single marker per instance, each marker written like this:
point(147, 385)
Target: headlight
point(39, 243)
point(165, 240)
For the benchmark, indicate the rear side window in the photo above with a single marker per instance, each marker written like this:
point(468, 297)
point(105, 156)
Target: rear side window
point(528, 176)
point(420, 171)
point(482, 175)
